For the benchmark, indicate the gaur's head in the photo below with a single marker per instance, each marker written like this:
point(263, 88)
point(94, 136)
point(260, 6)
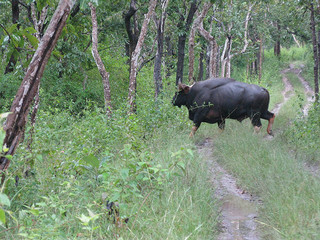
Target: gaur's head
point(180, 97)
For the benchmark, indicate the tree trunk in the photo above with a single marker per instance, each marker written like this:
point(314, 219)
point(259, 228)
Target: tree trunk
point(15, 18)
point(228, 60)
point(260, 57)
point(201, 57)
point(133, 32)
point(135, 56)
point(198, 25)
point(208, 53)
point(315, 53)
point(316, 84)
point(191, 48)
point(38, 24)
point(104, 74)
point(226, 56)
point(16, 121)
point(182, 40)
point(213, 50)
point(169, 55)
point(158, 59)
point(277, 50)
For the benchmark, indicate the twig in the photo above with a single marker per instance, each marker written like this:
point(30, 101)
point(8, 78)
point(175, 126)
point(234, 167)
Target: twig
point(144, 200)
point(174, 217)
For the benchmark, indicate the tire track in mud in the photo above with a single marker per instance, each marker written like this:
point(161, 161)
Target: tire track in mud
point(239, 209)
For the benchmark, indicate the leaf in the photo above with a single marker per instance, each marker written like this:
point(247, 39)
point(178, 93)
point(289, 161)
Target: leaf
point(92, 160)
point(2, 216)
point(34, 211)
point(32, 39)
point(84, 219)
point(155, 170)
point(190, 152)
point(125, 173)
point(4, 200)
point(182, 166)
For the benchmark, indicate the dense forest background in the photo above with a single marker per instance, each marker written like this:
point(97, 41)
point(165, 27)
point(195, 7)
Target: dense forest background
point(100, 152)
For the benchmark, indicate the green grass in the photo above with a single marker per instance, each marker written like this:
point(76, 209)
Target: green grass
point(274, 171)
point(148, 165)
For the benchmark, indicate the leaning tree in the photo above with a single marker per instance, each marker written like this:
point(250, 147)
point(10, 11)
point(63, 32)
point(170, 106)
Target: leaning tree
point(16, 120)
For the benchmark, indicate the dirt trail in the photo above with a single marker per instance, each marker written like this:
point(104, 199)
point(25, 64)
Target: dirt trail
point(239, 209)
point(307, 89)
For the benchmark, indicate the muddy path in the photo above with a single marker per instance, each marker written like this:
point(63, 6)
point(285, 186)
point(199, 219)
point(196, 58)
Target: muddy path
point(238, 207)
point(239, 218)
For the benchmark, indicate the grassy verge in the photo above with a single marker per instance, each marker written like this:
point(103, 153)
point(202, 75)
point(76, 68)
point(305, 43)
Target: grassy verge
point(273, 171)
point(144, 163)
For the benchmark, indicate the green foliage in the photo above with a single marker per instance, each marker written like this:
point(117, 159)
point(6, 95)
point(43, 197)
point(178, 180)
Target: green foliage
point(78, 162)
point(4, 199)
point(304, 134)
point(9, 85)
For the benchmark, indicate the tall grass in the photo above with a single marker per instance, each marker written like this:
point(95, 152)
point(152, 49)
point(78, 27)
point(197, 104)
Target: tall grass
point(274, 170)
point(146, 163)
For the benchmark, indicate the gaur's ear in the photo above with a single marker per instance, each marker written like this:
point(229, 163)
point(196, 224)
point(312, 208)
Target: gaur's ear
point(183, 87)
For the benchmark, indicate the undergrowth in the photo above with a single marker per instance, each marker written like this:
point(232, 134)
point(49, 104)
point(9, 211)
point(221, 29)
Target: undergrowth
point(127, 177)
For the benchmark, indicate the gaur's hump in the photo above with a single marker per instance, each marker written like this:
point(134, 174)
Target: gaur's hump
point(213, 83)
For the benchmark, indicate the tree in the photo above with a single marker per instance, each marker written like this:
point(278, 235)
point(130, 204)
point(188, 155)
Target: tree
point(184, 25)
point(104, 74)
point(198, 26)
point(135, 57)
point(226, 55)
point(16, 121)
point(315, 51)
point(131, 28)
point(15, 18)
point(160, 38)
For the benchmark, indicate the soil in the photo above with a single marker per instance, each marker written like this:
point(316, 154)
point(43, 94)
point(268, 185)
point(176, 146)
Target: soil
point(239, 209)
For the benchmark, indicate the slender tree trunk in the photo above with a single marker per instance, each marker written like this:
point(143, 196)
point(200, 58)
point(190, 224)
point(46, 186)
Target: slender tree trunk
point(16, 121)
point(316, 84)
point(104, 74)
point(180, 63)
point(198, 25)
point(158, 59)
point(132, 31)
point(228, 60)
point(315, 53)
point(182, 40)
point(277, 50)
point(226, 56)
point(38, 25)
point(208, 53)
point(15, 18)
point(201, 57)
point(260, 57)
point(135, 56)
point(193, 30)
point(169, 55)
point(191, 48)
